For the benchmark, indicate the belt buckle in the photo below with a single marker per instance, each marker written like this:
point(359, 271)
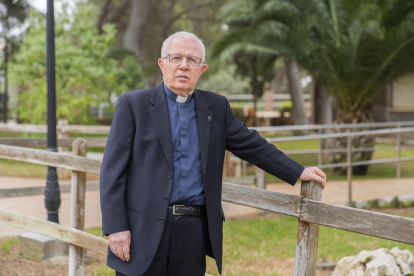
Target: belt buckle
point(174, 213)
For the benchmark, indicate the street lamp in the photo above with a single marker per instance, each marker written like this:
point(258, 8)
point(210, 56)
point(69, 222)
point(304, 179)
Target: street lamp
point(52, 191)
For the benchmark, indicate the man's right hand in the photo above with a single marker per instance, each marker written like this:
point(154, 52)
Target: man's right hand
point(119, 244)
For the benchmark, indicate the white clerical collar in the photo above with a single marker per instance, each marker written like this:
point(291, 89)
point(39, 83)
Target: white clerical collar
point(176, 98)
point(181, 99)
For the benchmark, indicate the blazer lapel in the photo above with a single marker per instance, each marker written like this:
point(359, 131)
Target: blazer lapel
point(161, 120)
point(204, 119)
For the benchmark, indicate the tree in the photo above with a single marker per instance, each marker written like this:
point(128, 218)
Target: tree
point(354, 49)
point(225, 80)
point(143, 25)
point(88, 73)
point(12, 14)
point(234, 46)
point(244, 38)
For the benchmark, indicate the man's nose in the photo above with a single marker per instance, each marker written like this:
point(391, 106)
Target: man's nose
point(184, 64)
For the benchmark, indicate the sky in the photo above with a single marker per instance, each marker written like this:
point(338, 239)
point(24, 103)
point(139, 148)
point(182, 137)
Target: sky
point(39, 5)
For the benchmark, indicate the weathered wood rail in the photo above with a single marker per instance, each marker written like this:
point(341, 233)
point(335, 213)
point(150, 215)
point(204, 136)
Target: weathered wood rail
point(308, 208)
point(41, 142)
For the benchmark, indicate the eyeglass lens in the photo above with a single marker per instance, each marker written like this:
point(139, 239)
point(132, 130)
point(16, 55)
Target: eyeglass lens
point(176, 58)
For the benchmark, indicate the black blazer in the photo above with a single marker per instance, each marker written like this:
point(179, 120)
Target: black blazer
point(137, 169)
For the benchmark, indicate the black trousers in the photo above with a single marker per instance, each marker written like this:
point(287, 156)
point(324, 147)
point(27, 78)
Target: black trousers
point(182, 249)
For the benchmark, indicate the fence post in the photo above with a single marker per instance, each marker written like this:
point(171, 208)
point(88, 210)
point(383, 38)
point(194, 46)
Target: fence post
point(320, 153)
point(77, 209)
point(62, 173)
point(349, 170)
point(308, 234)
point(238, 169)
point(244, 168)
point(260, 178)
point(399, 152)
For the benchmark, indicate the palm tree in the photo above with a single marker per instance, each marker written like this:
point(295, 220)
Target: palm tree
point(255, 66)
point(245, 41)
point(354, 48)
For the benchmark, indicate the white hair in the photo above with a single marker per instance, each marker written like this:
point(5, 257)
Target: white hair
point(181, 34)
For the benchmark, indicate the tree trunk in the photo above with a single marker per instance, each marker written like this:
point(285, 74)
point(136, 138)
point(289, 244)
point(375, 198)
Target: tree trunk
point(295, 90)
point(5, 94)
point(343, 117)
point(134, 35)
point(381, 105)
point(278, 81)
point(153, 81)
point(322, 105)
point(104, 15)
point(255, 121)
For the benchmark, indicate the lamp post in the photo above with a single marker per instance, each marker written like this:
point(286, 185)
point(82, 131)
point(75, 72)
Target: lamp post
point(52, 191)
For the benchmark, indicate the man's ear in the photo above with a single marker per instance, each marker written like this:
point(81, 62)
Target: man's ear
point(204, 68)
point(160, 63)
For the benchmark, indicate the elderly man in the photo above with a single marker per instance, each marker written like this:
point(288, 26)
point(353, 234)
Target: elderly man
point(161, 175)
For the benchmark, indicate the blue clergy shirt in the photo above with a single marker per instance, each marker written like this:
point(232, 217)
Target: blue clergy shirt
point(187, 184)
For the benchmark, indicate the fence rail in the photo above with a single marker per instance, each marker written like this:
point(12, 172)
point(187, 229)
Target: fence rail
point(87, 129)
point(274, 96)
point(307, 208)
point(342, 134)
point(25, 128)
point(41, 142)
point(335, 126)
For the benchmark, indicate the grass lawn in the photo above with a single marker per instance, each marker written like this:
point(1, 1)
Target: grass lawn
point(18, 168)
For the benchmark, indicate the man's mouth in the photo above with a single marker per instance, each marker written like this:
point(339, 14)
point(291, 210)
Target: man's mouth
point(182, 77)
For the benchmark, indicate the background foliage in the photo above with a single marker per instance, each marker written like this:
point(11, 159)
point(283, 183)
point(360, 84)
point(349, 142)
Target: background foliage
point(87, 72)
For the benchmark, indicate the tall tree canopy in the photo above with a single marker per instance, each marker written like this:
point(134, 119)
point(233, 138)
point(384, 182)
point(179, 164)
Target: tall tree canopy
point(143, 25)
point(355, 48)
point(244, 43)
point(87, 72)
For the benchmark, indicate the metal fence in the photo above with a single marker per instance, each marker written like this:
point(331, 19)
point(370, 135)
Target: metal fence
point(261, 175)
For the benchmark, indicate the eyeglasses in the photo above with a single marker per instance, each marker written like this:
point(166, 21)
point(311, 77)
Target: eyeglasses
point(177, 59)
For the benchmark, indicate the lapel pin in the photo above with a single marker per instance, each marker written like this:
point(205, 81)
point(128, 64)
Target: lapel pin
point(209, 118)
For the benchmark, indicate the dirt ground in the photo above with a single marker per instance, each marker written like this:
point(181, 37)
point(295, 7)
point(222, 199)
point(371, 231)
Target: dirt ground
point(13, 265)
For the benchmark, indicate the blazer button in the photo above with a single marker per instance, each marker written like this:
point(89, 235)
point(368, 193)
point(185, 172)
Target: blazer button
point(169, 176)
point(161, 219)
point(165, 198)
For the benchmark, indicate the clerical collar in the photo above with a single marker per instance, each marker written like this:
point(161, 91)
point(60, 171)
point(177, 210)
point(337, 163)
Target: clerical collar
point(176, 97)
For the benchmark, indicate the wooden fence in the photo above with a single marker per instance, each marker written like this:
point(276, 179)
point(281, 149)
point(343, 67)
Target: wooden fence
point(307, 207)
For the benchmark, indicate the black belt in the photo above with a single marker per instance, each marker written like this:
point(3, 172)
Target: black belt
point(192, 210)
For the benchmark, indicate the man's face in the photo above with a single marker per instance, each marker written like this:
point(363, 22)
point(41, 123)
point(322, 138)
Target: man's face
point(182, 78)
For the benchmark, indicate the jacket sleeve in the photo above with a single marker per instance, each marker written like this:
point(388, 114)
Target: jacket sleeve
point(113, 174)
point(248, 145)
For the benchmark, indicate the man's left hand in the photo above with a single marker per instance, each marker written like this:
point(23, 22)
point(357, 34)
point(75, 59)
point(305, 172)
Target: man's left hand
point(315, 174)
